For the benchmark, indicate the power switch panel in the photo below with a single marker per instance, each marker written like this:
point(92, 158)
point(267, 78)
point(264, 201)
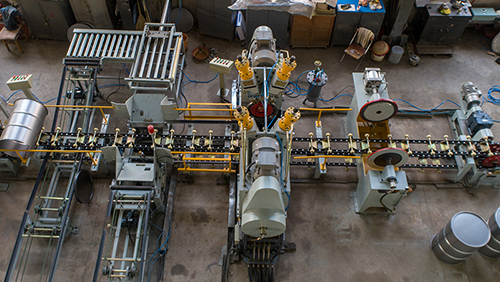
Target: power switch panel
point(18, 82)
point(221, 65)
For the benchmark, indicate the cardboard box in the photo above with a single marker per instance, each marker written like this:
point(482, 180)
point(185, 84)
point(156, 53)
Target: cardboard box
point(325, 7)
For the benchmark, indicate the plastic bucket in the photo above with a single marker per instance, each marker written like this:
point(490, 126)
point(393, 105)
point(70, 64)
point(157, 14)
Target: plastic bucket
point(379, 50)
point(396, 54)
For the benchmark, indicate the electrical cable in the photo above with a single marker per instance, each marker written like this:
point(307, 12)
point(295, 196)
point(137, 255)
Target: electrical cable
point(180, 10)
point(337, 95)
point(423, 110)
point(199, 81)
point(382, 203)
point(118, 89)
point(159, 249)
point(334, 98)
point(7, 100)
point(298, 89)
point(490, 98)
point(125, 67)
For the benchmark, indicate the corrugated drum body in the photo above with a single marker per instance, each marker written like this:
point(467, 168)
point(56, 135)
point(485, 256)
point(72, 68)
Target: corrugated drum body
point(463, 235)
point(23, 127)
point(492, 249)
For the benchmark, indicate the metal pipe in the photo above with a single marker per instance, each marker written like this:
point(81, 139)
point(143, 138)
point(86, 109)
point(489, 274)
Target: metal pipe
point(117, 237)
point(177, 50)
point(64, 225)
point(265, 100)
point(144, 246)
point(165, 16)
point(138, 234)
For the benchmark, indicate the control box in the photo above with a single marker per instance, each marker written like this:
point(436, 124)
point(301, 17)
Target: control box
point(220, 65)
point(18, 82)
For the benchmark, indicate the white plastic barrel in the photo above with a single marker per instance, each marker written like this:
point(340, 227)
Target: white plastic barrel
point(396, 54)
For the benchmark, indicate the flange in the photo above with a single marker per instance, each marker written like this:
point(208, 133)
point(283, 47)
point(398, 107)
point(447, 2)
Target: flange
point(378, 110)
point(394, 156)
point(492, 161)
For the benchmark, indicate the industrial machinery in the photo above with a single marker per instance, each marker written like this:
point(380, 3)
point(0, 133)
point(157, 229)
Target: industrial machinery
point(263, 75)
point(471, 123)
point(316, 79)
point(381, 186)
point(263, 183)
point(255, 151)
point(263, 192)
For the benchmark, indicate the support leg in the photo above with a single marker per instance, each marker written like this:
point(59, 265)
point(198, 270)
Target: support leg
point(19, 46)
point(6, 45)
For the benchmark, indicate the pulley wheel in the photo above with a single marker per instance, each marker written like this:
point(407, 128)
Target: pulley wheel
point(84, 187)
point(378, 110)
point(257, 109)
point(394, 156)
point(492, 161)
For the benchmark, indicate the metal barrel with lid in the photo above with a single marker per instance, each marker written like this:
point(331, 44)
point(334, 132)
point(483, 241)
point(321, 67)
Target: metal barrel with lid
point(461, 237)
point(492, 249)
point(23, 128)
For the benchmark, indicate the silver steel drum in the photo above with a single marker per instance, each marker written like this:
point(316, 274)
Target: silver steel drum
point(492, 249)
point(23, 127)
point(463, 235)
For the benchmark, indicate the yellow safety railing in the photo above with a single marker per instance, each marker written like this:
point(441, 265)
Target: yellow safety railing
point(188, 112)
point(318, 122)
point(203, 158)
point(23, 160)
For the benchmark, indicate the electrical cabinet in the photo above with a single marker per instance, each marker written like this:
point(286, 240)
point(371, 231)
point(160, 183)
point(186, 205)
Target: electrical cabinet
point(48, 19)
point(215, 18)
point(315, 32)
point(437, 29)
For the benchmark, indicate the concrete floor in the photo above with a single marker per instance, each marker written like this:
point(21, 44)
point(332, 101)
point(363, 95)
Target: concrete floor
point(333, 242)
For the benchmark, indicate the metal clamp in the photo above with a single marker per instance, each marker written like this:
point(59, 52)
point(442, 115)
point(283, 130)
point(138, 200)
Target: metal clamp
point(40, 136)
point(369, 150)
point(471, 147)
point(116, 136)
point(311, 147)
point(171, 138)
point(352, 144)
point(192, 140)
point(232, 140)
point(406, 146)
point(132, 139)
point(446, 146)
point(77, 136)
point(391, 143)
point(485, 146)
point(329, 151)
point(210, 132)
point(93, 139)
point(153, 138)
point(55, 138)
point(431, 146)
